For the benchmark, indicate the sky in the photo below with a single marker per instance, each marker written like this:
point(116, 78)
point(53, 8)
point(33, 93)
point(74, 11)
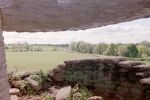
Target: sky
point(127, 32)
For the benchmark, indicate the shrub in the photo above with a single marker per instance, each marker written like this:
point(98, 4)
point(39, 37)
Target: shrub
point(28, 90)
point(47, 97)
point(80, 92)
point(132, 51)
point(43, 79)
point(12, 77)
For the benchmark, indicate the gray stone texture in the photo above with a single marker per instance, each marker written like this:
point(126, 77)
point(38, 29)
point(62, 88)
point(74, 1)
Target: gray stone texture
point(57, 15)
point(111, 77)
point(4, 87)
point(63, 93)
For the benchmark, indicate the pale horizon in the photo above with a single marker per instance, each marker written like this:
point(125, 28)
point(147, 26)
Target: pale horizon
point(127, 32)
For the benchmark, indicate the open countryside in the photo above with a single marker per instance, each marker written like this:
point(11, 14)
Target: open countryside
point(27, 57)
point(34, 61)
point(45, 60)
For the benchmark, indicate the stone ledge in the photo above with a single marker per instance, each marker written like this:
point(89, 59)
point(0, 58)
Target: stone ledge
point(145, 81)
point(142, 68)
point(129, 64)
point(106, 73)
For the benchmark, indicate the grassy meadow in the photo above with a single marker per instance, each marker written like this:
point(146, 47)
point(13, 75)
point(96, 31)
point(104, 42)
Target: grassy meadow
point(46, 59)
point(34, 61)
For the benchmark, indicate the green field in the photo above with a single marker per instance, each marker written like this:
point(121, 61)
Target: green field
point(34, 61)
point(147, 60)
point(45, 59)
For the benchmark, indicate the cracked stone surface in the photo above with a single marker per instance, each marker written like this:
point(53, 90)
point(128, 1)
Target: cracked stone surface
point(58, 15)
point(4, 88)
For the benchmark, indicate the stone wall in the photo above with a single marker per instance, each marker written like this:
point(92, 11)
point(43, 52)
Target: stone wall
point(4, 93)
point(114, 78)
point(4, 87)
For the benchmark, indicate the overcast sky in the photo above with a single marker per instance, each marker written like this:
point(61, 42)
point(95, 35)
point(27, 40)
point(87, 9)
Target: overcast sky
point(128, 32)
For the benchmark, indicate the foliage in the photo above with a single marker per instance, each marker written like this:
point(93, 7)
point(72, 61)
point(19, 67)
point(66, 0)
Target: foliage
point(145, 43)
point(72, 46)
point(32, 60)
point(12, 77)
point(23, 48)
point(143, 50)
point(47, 97)
point(43, 79)
point(28, 90)
point(81, 47)
point(25, 88)
point(80, 92)
point(100, 48)
point(126, 50)
point(112, 50)
point(54, 48)
point(122, 50)
point(147, 51)
point(132, 51)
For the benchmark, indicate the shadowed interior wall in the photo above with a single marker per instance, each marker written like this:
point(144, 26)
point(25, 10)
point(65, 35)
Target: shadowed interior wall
point(60, 15)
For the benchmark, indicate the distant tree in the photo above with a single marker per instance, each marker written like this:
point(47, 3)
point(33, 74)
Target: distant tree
point(20, 50)
point(122, 50)
point(88, 48)
point(147, 51)
point(27, 48)
point(31, 49)
point(100, 48)
point(38, 49)
point(112, 50)
point(82, 47)
point(129, 50)
point(76, 47)
point(132, 51)
point(145, 43)
point(6, 47)
point(143, 50)
point(54, 48)
point(72, 46)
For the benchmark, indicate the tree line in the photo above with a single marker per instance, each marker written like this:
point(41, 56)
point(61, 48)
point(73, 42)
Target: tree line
point(22, 48)
point(127, 50)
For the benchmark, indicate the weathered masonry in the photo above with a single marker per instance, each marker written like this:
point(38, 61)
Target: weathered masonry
point(57, 15)
point(4, 87)
point(113, 78)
